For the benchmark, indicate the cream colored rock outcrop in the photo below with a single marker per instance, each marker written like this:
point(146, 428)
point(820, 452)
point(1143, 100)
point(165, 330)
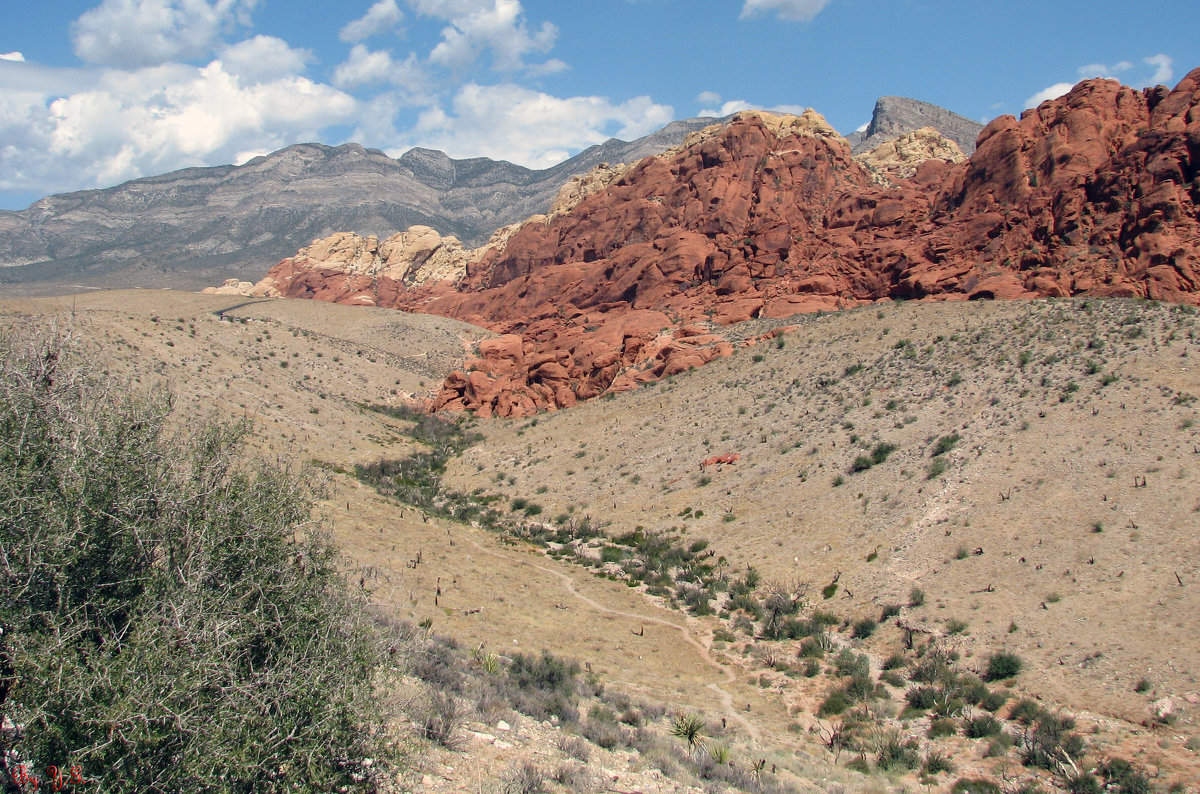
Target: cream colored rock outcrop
point(900, 158)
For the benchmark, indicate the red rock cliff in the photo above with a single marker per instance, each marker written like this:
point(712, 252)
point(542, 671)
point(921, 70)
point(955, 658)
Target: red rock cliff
point(1095, 192)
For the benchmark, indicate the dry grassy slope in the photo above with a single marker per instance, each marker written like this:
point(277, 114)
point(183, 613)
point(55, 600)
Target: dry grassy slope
point(1066, 460)
point(634, 460)
point(336, 358)
point(505, 598)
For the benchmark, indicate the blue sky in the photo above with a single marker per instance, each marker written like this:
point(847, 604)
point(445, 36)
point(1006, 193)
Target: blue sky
point(95, 93)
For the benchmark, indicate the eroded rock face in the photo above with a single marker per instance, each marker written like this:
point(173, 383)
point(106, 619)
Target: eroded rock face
point(1095, 192)
point(900, 158)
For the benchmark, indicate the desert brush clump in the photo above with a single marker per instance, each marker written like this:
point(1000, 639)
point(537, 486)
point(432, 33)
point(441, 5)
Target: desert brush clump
point(173, 618)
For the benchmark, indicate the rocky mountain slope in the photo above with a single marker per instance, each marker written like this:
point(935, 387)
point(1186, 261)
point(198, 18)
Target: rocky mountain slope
point(1092, 193)
point(198, 226)
point(895, 116)
point(190, 228)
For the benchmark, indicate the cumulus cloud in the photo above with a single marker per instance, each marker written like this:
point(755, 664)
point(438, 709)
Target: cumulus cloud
point(264, 58)
point(132, 123)
point(381, 17)
point(1102, 70)
point(497, 27)
point(1163, 71)
point(531, 128)
point(131, 33)
point(11, 56)
point(1124, 71)
point(708, 97)
point(1050, 92)
point(376, 67)
point(737, 105)
point(790, 10)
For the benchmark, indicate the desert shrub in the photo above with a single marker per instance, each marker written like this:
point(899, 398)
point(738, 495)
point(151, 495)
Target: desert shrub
point(934, 666)
point(889, 611)
point(441, 718)
point(173, 618)
point(1083, 783)
point(575, 747)
point(546, 672)
point(981, 727)
point(993, 700)
point(936, 762)
point(824, 618)
point(1025, 712)
point(850, 663)
point(864, 629)
point(523, 777)
point(944, 445)
point(602, 733)
point(921, 697)
point(975, 786)
point(891, 753)
point(942, 726)
point(1050, 738)
point(575, 776)
point(1123, 778)
point(1001, 665)
point(971, 689)
point(835, 702)
point(916, 597)
point(894, 662)
point(999, 746)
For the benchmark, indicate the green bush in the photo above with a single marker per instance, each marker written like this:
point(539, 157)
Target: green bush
point(864, 629)
point(1001, 665)
point(982, 727)
point(172, 617)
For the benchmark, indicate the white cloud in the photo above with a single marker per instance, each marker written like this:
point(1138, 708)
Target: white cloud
point(862, 127)
point(132, 123)
point(479, 26)
point(738, 105)
point(790, 10)
point(708, 97)
point(381, 17)
point(11, 56)
point(531, 128)
point(1051, 92)
point(1163, 71)
point(1102, 70)
point(264, 58)
point(727, 108)
point(552, 66)
point(133, 33)
point(374, 67)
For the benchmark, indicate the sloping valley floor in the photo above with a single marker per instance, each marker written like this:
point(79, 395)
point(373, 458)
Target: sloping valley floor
point(1016, 478)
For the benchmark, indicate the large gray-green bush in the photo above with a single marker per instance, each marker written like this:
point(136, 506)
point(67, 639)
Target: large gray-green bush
point(172, 618)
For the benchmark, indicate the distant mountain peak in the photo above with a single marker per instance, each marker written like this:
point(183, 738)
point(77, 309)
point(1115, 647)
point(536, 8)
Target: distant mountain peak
point(896, 115)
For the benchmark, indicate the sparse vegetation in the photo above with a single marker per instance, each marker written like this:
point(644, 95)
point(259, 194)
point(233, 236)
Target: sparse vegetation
point(174, 620)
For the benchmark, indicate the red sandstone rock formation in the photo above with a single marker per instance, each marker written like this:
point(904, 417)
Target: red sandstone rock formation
point(1092, 193)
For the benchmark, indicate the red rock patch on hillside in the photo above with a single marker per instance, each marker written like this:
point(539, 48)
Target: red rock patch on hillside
point(1095, 192)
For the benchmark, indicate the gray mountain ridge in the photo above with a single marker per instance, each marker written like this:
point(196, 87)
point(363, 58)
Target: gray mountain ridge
point(195, 227)
point(895, 116)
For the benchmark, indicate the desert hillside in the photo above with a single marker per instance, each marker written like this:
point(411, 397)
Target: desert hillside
point(1092, 193)
point(1029, 467)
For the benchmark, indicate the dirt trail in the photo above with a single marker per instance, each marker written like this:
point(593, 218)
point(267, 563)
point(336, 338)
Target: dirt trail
point(727, 675)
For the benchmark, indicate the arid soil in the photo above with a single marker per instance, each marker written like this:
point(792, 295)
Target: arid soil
point(1060, 525)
